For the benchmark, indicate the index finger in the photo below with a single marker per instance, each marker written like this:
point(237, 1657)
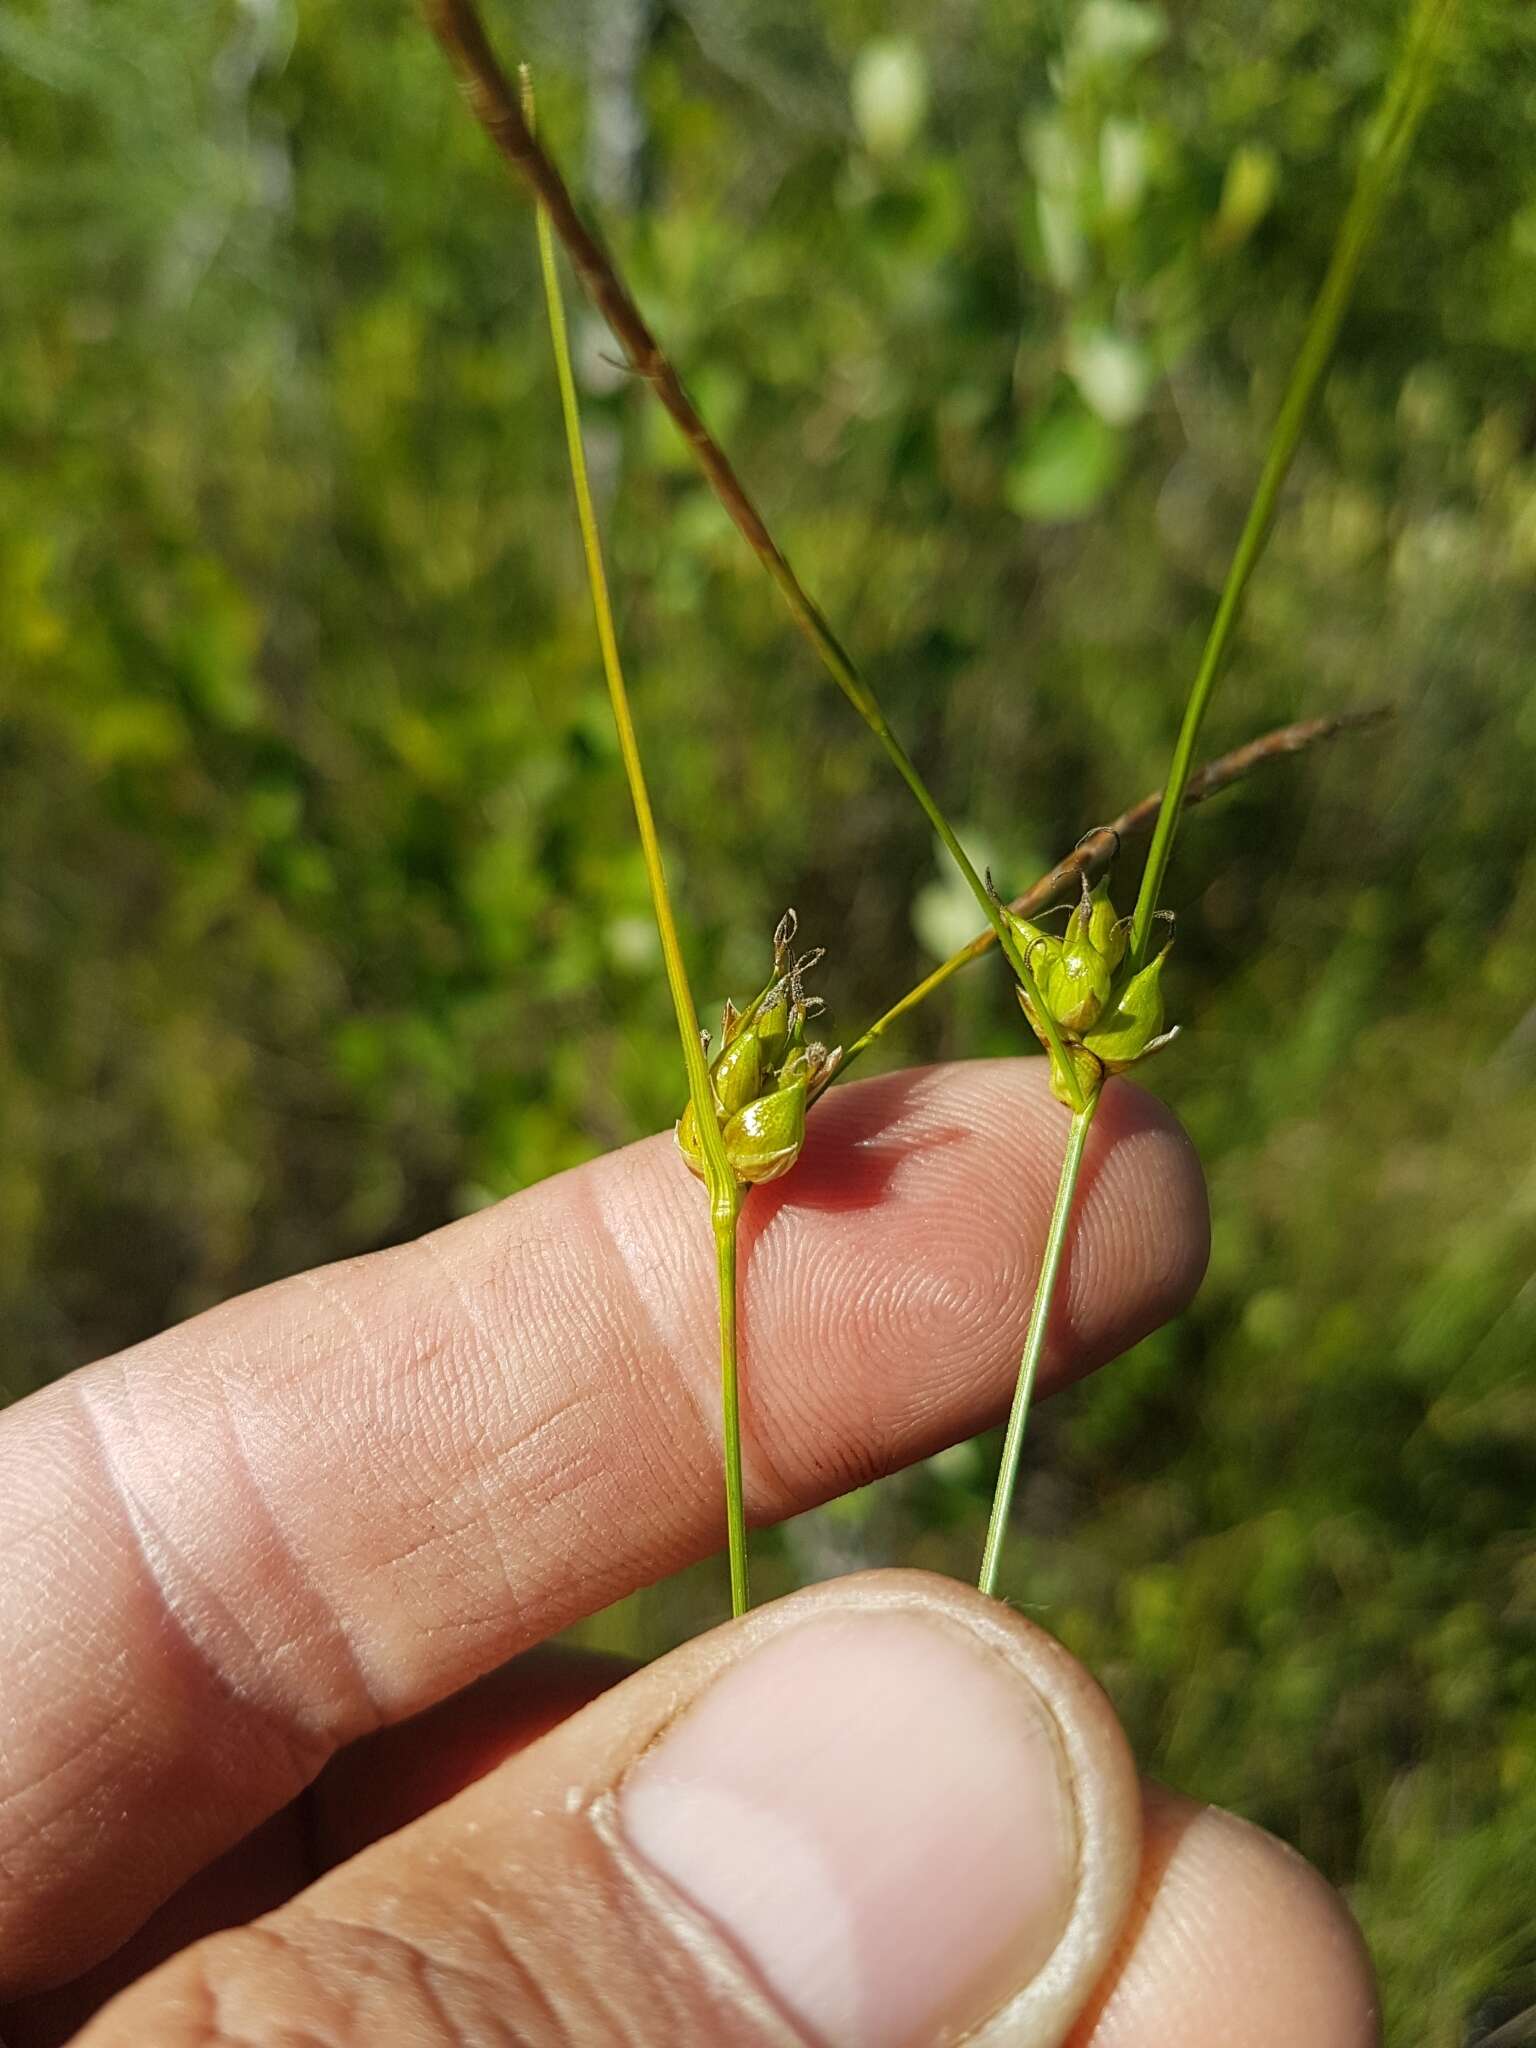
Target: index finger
point(321, 1507)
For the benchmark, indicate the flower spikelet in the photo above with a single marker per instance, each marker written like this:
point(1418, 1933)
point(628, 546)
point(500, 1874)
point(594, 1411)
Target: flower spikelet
point(1107, 1020)
point(767, 1073)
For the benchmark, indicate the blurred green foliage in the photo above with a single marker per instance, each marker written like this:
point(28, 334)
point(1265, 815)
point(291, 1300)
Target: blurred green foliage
point(320, 913)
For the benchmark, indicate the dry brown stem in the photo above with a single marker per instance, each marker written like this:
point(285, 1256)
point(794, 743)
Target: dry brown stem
point(1096, 849)
point(495, 106)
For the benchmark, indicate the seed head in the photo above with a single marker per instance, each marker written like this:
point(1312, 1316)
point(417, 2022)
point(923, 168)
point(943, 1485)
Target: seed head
point(1107, 1021)
point(766, 1074)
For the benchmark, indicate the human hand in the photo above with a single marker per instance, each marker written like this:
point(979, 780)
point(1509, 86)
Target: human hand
point(253, 1565)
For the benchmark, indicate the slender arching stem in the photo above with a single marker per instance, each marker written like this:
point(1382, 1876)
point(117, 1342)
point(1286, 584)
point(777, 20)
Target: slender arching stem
point(1391, 133)
point(730, 1406)
point(1096, 849)
point(725, 1192)
point(1387, 144)
point(458, 28)
point(1034, 1343)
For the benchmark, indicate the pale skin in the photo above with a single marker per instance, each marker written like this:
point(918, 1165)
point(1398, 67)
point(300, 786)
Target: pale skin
point(268, 1776)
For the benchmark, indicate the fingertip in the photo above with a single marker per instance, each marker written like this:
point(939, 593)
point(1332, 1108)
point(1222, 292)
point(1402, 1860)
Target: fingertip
point(955, 1171)
point(1234, 1941)
point(910, 1809)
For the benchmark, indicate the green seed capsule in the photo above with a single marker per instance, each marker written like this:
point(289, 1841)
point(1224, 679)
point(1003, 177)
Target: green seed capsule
point(1108, 934)
point(772, 1025)
point(738, 1073)
point(763, 1140)
point(1134, 1028)
point(1089, 1072)
point(687, 1136)
point(766, 1076)
point(1077, 985)
point(1041, 949)
point(1104, 1025)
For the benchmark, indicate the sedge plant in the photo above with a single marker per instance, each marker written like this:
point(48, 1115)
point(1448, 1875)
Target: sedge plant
point(750, 1103)
point(1093, 995)
point(744, 1124)
point(713, 1161)
point(1114, 1023)
point(458, 28)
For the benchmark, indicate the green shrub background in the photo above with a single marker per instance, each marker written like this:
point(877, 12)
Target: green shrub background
point(320, 913)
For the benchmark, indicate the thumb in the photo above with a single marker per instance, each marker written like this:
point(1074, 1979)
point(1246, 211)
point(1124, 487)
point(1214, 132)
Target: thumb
point(883, 1812)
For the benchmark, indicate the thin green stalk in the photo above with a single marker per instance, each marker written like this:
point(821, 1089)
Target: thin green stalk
point(725, 1193)
point(1034, 1344)
point(458, 28)
point(1387, 145)
point(1096, 849)
point(1402, 108)
point(840, 664)
point(730, 1413)
point(915, 995)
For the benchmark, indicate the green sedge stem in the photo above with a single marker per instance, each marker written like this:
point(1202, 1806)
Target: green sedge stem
point(724, 1190)
point(629, 746)
point(840, 664)
point(458, 27)
point(1387, 145)
point(1096, 849)
point(730, 1404)
point(1391, 135)
point(911, 999)
point(1034, 1344)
